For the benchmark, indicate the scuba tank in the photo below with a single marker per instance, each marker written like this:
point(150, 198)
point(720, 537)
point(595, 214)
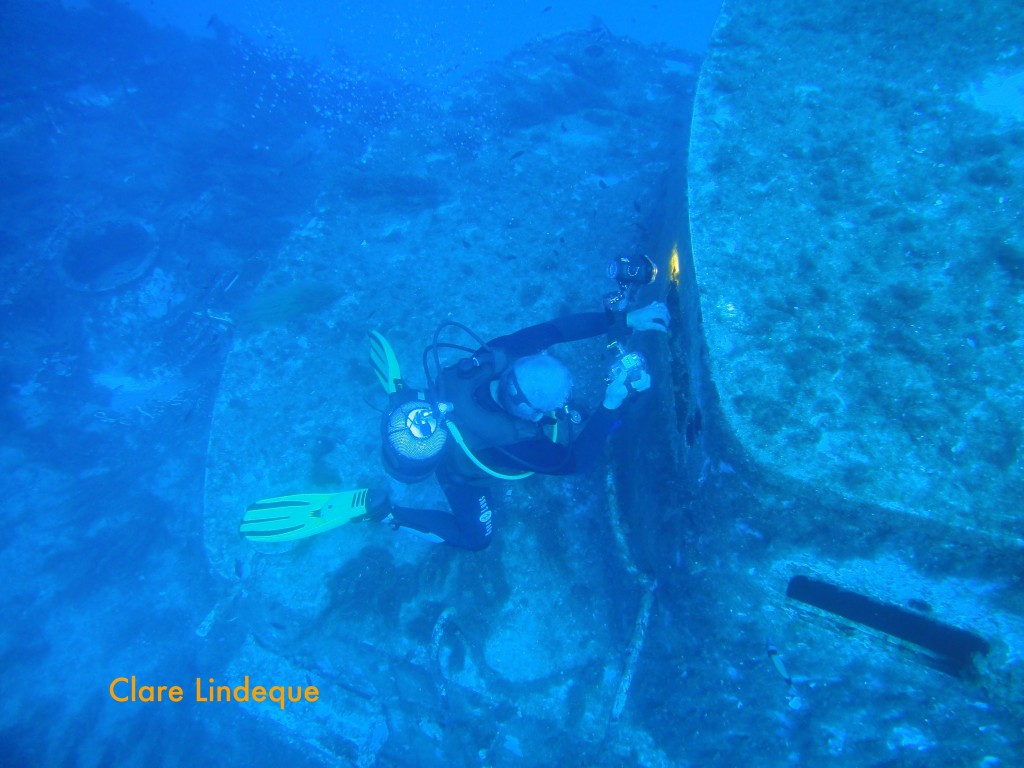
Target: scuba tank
point(414, 432)
point(414, 439)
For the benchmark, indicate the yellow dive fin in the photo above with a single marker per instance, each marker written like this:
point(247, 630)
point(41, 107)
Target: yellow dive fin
point(287, 518)
point(384, 362)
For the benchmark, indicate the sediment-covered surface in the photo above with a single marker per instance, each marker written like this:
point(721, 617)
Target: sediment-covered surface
point(498, 208)
point(632, 617)
point(856, 175)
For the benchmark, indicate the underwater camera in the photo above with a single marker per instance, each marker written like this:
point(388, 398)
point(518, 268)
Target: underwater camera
point(632, 364)
point(629, 273)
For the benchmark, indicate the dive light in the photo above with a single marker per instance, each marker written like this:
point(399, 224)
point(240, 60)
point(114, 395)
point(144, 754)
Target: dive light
point(629, 272)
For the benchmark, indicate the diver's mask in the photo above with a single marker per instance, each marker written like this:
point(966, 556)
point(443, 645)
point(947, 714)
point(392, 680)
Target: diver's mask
point(514, 401)
point(534, 386)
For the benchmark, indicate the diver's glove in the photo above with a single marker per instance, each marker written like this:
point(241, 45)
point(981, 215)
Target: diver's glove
point(653, 317)
point(642, 383)
point(618, 389)
point(616, 393)
point(628, 373)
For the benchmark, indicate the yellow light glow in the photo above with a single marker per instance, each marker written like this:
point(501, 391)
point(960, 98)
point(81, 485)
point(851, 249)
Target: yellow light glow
point(673, 266)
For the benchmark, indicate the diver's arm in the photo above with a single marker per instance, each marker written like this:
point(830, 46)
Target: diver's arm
point(550, 458)
point(537, 338)
point(589, 444)
point(582, 325)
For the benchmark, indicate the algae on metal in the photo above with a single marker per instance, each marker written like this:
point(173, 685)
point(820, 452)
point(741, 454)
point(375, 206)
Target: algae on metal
point(855, 207)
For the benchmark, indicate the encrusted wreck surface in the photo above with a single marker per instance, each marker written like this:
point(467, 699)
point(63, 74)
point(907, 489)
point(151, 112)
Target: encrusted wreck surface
point(855, 188)
point(498, 216)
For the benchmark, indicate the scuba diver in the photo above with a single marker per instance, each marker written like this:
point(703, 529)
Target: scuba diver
point(501, 406)
point(505, 407)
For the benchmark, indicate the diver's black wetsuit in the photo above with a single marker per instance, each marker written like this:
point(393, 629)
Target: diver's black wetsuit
point(501, 441)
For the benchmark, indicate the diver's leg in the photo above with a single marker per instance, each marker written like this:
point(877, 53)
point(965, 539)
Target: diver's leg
point(473, 512)
point(468, 526)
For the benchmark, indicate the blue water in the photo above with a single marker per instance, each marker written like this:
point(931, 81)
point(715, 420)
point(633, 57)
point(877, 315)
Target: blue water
point(424, 40)
point(169, 174)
